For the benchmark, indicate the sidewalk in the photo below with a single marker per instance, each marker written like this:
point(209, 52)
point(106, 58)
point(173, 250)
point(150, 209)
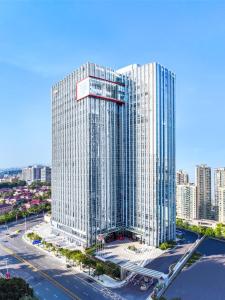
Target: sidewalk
point(145, 255)
point(104, 280)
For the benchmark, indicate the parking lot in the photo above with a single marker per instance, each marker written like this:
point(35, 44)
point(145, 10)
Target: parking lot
point(205, 279)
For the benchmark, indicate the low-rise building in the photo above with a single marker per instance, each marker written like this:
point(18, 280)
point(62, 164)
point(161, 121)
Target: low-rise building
point(5, 208)
point(203, 222)
point(35, 202)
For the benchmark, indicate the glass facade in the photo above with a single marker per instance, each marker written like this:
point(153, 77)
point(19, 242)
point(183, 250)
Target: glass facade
point(114, 153)
point(100, 88)
point(151, 210)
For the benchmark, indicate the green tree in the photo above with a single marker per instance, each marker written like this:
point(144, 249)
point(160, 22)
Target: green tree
point(14, 289)
point(80, 258)
point(4, 185)
point(218, 230)
point(34, 236)
point(209, 232)
point(87, 262)
point(99, 270)
point(202, 230)
point(179, 223)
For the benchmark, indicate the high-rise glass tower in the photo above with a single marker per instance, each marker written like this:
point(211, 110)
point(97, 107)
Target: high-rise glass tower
point(113, 168)
point(150, 206)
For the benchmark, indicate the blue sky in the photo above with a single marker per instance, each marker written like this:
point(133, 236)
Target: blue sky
point(42, 41)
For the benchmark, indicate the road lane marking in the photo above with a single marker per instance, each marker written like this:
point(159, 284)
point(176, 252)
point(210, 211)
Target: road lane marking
point(39, 283)
point(46, 276)
point(75, 274)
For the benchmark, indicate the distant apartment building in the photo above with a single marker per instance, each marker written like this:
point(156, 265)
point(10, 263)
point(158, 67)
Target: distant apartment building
point(46, 174)
point(186, 206)
point(26, 174)
point(204, 195)
point(221, 207)
point(219, 182)
point(113, 164)
point(182, 177)
point(31, 174)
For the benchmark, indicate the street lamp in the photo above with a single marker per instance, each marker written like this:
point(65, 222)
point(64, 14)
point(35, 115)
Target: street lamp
point(7, 275)
point(25, 223)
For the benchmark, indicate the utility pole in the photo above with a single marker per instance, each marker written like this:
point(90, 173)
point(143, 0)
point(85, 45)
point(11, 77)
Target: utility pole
point(6, 262)
point(25, 223)
point(7, 275)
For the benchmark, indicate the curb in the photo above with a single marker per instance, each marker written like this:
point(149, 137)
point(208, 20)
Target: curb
point(120, 284)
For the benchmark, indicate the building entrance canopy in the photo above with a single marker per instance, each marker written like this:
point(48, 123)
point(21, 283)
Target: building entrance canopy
point(132, 267)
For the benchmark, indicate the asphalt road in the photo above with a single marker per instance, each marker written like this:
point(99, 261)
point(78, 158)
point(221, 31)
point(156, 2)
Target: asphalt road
point(50, 278)
point(163, 262)
point(43, 288)
point(204, 280)
point(48, 275)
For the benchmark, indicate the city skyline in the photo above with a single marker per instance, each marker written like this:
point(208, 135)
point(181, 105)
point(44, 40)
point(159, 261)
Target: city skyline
point(33, 61)
point(112, 166)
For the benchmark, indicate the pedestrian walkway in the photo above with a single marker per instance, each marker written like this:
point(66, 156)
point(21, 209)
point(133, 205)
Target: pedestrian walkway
point(119, 252)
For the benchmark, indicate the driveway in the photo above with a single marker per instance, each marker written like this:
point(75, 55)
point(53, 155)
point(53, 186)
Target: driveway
point(205, 279)
point(163, 262)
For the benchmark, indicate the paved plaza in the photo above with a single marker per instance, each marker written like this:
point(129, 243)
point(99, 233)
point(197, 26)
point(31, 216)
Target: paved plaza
point(44, 230)
point(118, 252)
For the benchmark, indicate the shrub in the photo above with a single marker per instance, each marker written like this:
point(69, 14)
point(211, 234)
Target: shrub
point(167, 245)
point(91, 250)
point(195, 257)
point(34, 236)
point(132, 248)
